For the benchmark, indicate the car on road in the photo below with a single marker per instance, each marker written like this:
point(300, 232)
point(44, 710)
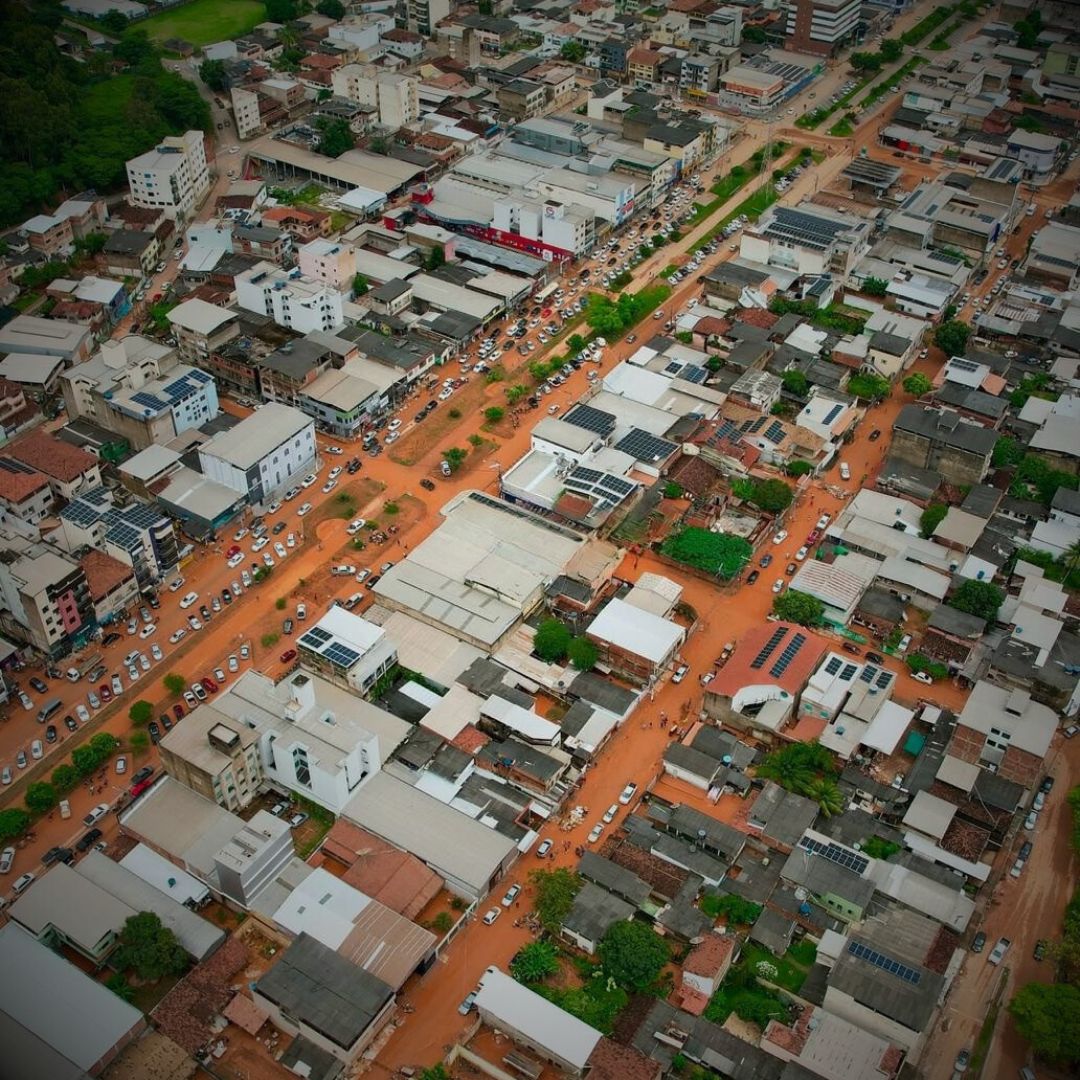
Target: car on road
point(544, 848)
point(511, 895)
point(963, 1059)
point(288, 656)
point(189, 599)
point(308, 480)
point(753, 576)
point(922, 677)
point(121, 765)
point(609, 813)
point(1047, 785)
point(177, 635)
point(155, 732)
point(96, 814)
point(766, 561)
point(595, 833)
point(39, 686)
point(305, 509)
point(627, 794)
point(492, 915)
point(875, 435)
point(875, 658)
point(680, 673)
point(778, 585)
point(999, 951)
point(801, 553)
point(978, 942)
point(7, 860)
point(780, 537)
point(70, 724)
point(1031, 820)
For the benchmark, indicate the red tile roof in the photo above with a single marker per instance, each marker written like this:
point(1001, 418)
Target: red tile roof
point(737, 672)
point(610, 1061)
point(53, 457)
point(759, 317)
point(15, 486)
point(103, 573)
point(709, 957)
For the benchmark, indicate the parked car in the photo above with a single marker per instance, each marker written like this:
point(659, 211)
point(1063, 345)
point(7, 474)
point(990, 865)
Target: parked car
point(491, 916)
point(999, 951)
point(978, 942)
point(627, 794)
point(753, 576)
point(96, 814)
point(511, 895)
point(596, 832)
point(466, 1006)
point(544, 848)
point(680, 673)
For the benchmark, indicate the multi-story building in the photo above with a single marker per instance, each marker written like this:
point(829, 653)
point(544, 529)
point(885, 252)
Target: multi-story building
point(521, 99)
point(49, 235)
point(346, 648)
point(201, 328)
point(172, 177)
point(808, 239)
point(289, 298)
point(330, 262)
point(24, 492)
point(69, 469)
point(127, 363)
point(422, 15)
point(394, 96)
point(156, 411)
point(131, 253)
point(44, 598)
point(261, 454)
point(821, 27)
point(932, 439)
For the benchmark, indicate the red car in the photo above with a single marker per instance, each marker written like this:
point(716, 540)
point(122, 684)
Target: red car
point(813, 538)
point(288, 656)
point(104, 692)
point(140, 787)
point(234, 550)
point(209, 685)
point(178, 711)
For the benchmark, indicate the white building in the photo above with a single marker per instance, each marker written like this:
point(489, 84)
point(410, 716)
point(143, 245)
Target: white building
point(172, 177)
point(395, 96)
point(343, 645)
point(261, 454)
point(289, 298)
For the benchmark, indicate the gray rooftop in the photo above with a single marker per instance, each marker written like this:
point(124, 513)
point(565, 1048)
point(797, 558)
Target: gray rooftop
point(613, 877)
point(946, 428)
point(594, 911)
point(958, 623)
point(256, 435)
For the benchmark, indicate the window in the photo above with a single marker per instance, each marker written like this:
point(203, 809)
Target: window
point(301, 768)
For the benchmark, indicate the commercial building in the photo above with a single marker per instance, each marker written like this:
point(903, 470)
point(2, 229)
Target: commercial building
point(820, 27)
point(260, 456)
point(344, 647)
point(32, 335)
point(202, 328)
point(290, 299)
point(172, 177)
point(635, 644)
point(807, 239)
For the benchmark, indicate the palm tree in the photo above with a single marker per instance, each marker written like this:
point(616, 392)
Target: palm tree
point(827, 795)
point(1072, 559)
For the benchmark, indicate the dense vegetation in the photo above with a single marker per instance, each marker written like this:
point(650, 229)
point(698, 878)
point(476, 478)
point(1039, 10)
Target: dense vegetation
point(66, 126)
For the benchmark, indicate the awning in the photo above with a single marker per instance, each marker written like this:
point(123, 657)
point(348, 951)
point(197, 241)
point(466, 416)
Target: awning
point(914, 743)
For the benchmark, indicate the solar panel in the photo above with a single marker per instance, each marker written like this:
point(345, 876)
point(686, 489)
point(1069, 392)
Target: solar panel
point(886, 963)
point(315, 638)
point(835, 853)
point(832, 414)
point(963, 365)
point(833, 666)
point(150, 401)
point(775, 432)
point(643, 446)
point(79, 513)
point(789, 653)
point(585, 416)
point(693, 373)
point(341, 655)
point(12, 466)
point(848, 672)
point(757, 424)
point(867, 674)
point(768, 648)
point(884, 679)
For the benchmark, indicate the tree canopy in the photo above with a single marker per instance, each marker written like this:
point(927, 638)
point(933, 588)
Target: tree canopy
point(149, 948)
point(40, 797)
point(715, 553)
point(13, 822)
point(795, 382)
point(534, 962)
point(798, 607)
point(633, 954)
point(874, 286)
point(141, 712)
point(733, 908)
point(573, 50)
point(798, 767)
point(212, 72)
point(555, 892)
point(918, 384)
point(951, 337)
point(332, 9)
point(583, 654)
point(552, 640)
point(1048, 1017)
point(931, 518)
point(335, 137)
point(869, 387)
point(981, 598)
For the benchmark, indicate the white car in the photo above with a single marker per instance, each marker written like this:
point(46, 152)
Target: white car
point(492, 915)
point(609, 813)
point(445, 394)
point(236, 560)
point(177, 635)
point(823, 522)
point(144, 662)
point(37, 751)
point(802, 553)
point(391, 438)
point(308, 480)
point(393, 425)
point(596, 833)
point(511, 895)
point(334, 473)
point(188, 600)
point(778, 585)
point(268, 560)
point(96, 815)
point(680, 673)
point(156, 653)
point(147, 630)
point(627, 794)
point(921, 676)
point(279, 550)
point(233, 664)
point(121, 765)
point(259, 544)
point(83, 713)
point(780, 537)
point(355, 526)
point(176, 584)
point(305, 509)
point(290, 540)
point(329, 486)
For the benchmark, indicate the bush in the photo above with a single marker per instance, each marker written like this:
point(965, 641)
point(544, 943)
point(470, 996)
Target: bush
point(280, 603)
point(714, 553)
point(799, 607)
point(552, 641)
point(633, 954)
point(149, 948)
point(493, 414)
point(534, 962)
point(455, 458)
point(13, 822)
point(455, 414)
point(583, 654)
point(673, 490)
point(951, 337)
point(733, 908)
point(442, 922)
point(64, 778)
point(555, 892)
point(798, 468)
point(269, 640)
point(917, 384)
point(176, 684)
point(931, 518)
point(141, 712)
point(391, 508)
point(40, 797)
point(979, 598)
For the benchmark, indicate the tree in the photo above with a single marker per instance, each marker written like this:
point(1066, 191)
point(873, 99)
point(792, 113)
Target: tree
point(633, 954)
point(140, 713)
point(84, 760)
point(891, 50)
point(951, 337)
point(583, 654)
point(573, 50)
point(827, 794)
point(336, 138)
point(13, 822)
point(281, 11)
point(734, 909)
point(90, 244)
point(359, 285)
point(754, 35)
point(575, 343)
point(865, 61)
point(672, 490)
point(931, 518)
point(798, 468)
point(798, 766)
point(139, 742)
point(332, 9)
point(552, 641)
point(442, 922)
point(1048, 1017)
point(40, 797)
point(435, 258)
point(212, 72)
point(771, 496)
point(534, 962)
point(114, 22)
point(515, 393)
point(493, 414)
point(917, 384)
point(875, 286)
point(120, 987)
point(149, 948)
point(714, 553)
point(795, 382)
point(455, 457)
point(64, 778)
point(176, 684)
point(869, 387)
point(981, 598)
point(555, 892)
point(799, 607)
point(104, 743)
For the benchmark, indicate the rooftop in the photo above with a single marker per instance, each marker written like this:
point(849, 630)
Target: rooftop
point(257, 435)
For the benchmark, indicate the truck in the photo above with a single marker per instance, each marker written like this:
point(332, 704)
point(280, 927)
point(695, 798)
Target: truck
point(81, 667)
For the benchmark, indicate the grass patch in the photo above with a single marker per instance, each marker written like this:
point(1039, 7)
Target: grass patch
point(842, 128)
point(344, 504)
point(203, 22)
point(790, 973)
point(927, 25)
point(668, 270)
point(742, 994)
point(593, 1002)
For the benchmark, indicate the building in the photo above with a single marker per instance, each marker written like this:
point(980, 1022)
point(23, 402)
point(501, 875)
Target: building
point(58, 1021)
point(51, 236)
point(316, 994)
point(820, 27)
point(70, 470)
point(808, 239)
point(535, 1023)
point(422, 15)
point(156, 411)
point(345, 647)
point(24, 492)
point(264, 452)
point(172, 177)
point(635, 644)
point(943, 441)
point(302, 735)
point(131, 253)
point(32, 335)
point(393, 96)
point(290, 299)
point(202, 328)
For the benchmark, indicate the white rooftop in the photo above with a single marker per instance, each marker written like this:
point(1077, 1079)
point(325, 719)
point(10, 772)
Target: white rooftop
point(636, 631)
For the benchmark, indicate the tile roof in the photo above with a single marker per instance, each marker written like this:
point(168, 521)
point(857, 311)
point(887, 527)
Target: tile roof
point(49, 455)
point(16, 485)
point(709, 957)
point(103, 573)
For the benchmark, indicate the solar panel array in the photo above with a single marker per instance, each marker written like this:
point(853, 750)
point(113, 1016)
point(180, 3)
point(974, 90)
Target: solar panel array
point(775, 432)
point(315, 638)
point(585, 416)
point(833, 666)
point(341, 655)
point(642, 446)
point(842, 856)
point(81, 514)
point(849, 672)
point(318, 640)
point(11, 465)
point(832, 414)
point(768, 648)
point(884, 679)
point(790, 651)
point(602, 487)
point(963, 365)
point(886, 963)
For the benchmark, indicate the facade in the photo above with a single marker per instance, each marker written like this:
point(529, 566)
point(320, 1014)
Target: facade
point(162, 408)
point(422, 15)
point(290, 299)
point(49, 235)
point(332, 263)
point(820, 27)
point(172, 177)
point(343, 646)
point(261, 454)
point(929, 439)
point(395, 97)
point(635, 643)
point(202, 328)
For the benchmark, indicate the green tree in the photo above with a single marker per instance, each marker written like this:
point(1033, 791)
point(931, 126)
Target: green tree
point(755, 35)
point(951, 337)
point(280, 603)
point(552, 641)
point(534, 962)
point(874, 286)
point(799, 607)
point(64, 778)
point(868, 387)
point(714, 553)
point(332, 9)
point(139, 742)
point(1048, 1017)
point(335, 137)
point(104, 743)
point(583, 654)
point(555, 891)
point(1007, 451)
point(827, 794)
point(771, 496)
point(493, 414)
point(140, 713)
point(13, 822)
point(281, 11)
point(359, 285)
point(85, 760)
point(90, 244)
point(114, 22)
point(798, 468)
point(435, 258)
point(865, 61)
point(515, 393)
point(733, 909)
point(918, 384)
point(633, 954)
point(796, 767)
point(931, 518)
point(119, 985)
point(212, 72)
point(149, 948)
point(877, 848)
point(442, 922)
point(891, 50)
point(175, 683)
point(573, 50)
point(795, 382)
point(40, 797)
point(455, 457)
point(673, 490)
point(575, 343)
point(981, 598)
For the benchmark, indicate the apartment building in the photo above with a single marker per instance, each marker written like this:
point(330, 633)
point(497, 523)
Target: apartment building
point(289, 298)
point(154, 412)
point(330, 262)
point(394, 96)
point(173, 177)
point(202, 328)
point(820, 27)
point(422, 15)
point(49, 235)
